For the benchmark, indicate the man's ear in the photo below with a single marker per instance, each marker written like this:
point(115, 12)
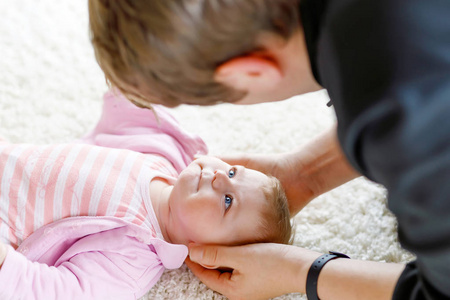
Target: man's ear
point(250, 73)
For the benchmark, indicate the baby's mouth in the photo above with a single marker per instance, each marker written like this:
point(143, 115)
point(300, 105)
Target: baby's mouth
point(199, 177)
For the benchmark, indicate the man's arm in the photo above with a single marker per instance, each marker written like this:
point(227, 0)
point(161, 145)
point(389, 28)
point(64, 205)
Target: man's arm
point(306, 172)
point(263, 271)
point(319, 167)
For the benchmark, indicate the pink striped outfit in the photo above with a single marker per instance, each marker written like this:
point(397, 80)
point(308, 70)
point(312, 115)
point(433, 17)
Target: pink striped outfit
point(79, 218)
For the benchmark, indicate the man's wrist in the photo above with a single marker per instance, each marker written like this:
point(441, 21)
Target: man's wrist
point(314, 272)
point(300, 264)
point(321, 165)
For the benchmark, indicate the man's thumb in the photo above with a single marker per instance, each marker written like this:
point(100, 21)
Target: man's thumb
point(207, 256)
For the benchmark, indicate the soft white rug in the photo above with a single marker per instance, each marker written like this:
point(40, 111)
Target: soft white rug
point(51, 90)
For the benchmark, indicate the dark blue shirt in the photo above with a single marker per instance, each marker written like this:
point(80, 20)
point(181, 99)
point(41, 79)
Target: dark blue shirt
point(386, 66)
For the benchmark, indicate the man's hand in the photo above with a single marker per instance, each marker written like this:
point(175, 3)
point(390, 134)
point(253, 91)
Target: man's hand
point(282, 166)
point(306, 172)
point(260, 271)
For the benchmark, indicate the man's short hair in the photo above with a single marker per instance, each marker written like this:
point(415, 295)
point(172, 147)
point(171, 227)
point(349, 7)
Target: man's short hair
point(167, 52)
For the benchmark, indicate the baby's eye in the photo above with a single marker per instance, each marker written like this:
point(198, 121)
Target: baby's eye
point(232, 172)
point(228, 202)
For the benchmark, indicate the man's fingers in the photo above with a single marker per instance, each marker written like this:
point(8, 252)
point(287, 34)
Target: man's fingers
point(236, 159)
point(214, 279)
point(213, 256)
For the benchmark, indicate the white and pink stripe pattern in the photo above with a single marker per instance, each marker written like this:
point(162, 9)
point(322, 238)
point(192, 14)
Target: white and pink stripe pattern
point(42, 184)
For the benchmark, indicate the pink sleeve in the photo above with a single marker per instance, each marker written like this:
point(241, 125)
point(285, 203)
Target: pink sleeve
point(107, 265)
point(126, 126)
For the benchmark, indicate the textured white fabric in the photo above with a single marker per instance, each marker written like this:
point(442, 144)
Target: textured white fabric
point(51, 91)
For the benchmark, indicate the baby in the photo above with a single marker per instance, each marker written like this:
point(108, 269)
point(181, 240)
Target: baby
point(94, 221)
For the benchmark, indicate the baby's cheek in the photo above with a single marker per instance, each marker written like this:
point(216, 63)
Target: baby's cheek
point(203, 230)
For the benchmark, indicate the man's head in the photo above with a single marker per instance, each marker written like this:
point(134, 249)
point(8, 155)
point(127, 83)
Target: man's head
point(200, 52)
point(215, 203)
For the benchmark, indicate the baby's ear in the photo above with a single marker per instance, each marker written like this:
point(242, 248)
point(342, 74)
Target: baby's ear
point(249, 73)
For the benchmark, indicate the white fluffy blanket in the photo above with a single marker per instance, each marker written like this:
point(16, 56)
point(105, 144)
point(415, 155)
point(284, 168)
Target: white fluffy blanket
point(51, 90)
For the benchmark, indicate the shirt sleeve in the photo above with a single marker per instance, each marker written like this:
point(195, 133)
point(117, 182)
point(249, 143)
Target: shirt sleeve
point(387, 68)
point(106, 265)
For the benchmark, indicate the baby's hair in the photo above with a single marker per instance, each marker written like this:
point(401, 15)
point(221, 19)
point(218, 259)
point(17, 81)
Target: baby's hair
point(167, 52)
point(276, 225)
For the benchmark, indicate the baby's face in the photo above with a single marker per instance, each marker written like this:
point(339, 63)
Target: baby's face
point(215, 203)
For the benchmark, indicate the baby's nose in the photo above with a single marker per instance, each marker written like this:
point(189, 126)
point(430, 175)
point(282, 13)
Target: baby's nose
point(220, 174)
point(220, 179)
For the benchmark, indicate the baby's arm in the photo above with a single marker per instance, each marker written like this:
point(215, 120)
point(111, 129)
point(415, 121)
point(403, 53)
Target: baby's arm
point(119, 268)
point(126, 126)
point(3, 252)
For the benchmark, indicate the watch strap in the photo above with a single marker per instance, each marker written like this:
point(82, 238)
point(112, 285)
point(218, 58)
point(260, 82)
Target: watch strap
point(314, 271)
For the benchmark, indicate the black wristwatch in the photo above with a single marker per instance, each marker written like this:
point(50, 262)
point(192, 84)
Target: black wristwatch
point(314, 271)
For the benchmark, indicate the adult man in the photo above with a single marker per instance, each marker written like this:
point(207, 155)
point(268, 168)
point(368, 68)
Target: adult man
point(386, 66)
